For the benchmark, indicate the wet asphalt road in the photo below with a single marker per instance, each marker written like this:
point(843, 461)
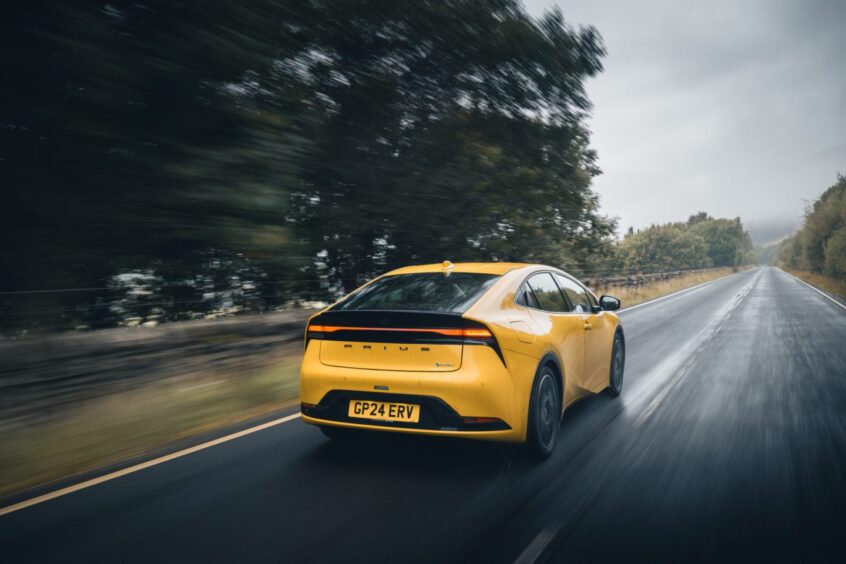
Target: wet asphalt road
point(728, 443)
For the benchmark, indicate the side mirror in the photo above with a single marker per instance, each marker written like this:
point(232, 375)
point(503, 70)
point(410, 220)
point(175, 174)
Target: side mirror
point(609, 303)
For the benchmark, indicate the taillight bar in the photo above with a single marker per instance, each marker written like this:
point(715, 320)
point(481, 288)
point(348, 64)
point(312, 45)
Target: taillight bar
point(469, 333)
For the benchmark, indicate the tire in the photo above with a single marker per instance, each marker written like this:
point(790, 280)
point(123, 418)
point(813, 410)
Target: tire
point(544, 414)
point(618, 365)
point(337, 434)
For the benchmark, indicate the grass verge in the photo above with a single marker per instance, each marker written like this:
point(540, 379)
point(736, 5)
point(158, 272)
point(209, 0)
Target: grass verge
point(831, 285)
point(129, 424)
point(631, 295)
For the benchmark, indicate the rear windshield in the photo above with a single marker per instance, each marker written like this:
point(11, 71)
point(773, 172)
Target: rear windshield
point(429, 291)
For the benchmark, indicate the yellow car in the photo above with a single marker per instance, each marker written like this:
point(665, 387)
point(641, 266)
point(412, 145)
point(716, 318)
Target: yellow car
point(491, 351)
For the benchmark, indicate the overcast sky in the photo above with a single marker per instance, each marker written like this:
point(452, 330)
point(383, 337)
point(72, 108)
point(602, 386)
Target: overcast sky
point(730, 107)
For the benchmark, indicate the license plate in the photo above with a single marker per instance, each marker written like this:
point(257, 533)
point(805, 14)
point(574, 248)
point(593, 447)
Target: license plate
point(384, 411)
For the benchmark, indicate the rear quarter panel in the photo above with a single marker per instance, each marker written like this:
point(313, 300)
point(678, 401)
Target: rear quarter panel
point(523, 341)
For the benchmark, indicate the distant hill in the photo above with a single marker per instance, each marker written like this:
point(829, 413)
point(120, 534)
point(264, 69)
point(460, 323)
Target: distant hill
point(768, 232)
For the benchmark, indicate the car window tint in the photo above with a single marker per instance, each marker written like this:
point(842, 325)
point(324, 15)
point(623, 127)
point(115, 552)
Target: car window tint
point(531, 299)
point(575, 293)
point(525, 297)
point(426, 291)
point(547, 293)
point(520, 297)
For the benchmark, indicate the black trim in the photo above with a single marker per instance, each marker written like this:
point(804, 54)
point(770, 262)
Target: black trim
point(399, 319)
point(391, 318)
point(564, 294)
point(435, 414)
point(400, 337)
point(552, 358)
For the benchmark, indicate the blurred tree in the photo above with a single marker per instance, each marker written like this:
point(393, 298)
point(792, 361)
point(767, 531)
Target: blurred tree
point(835, 253)
point(135, 136)
point(176, 153)
point(454, 130)
point(820, 244)
point(663, 247)
point(726, 242)
point(700, 242)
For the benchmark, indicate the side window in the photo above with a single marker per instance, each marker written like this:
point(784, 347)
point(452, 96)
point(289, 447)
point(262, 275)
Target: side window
point(575, 293)
point(526, 298)
point(520, 297)
point(547, 293)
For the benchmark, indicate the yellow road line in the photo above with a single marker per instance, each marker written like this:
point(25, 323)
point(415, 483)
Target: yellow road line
point(150, 463)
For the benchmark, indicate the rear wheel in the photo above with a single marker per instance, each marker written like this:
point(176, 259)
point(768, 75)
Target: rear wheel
point(618, 363)
point(544, 414)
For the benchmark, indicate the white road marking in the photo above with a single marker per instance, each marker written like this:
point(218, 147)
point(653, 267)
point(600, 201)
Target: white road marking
point(143, 465)
point(676, 367)
point(815, 289)
point(691, 349)
point(677, 293)
point(539, 544)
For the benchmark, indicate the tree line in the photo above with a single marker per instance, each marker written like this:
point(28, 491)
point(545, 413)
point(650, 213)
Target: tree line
point(820, 244)
point(163, 160)
point(172, 160)
point(700, 242)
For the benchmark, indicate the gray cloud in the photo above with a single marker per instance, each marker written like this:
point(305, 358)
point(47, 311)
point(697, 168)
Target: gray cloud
point(731, 107)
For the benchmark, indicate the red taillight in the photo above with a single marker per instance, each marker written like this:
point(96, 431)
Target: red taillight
point(476, 333)
point(467, 333)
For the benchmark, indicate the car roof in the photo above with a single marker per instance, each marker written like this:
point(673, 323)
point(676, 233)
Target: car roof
point(497, 268)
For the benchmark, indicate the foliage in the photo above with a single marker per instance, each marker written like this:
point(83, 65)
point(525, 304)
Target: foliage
point(768, 254)
point(820, 244)
point(700, 242)
point(456, 133)
point(165, 161)
point(129, 142)
point(158, 157)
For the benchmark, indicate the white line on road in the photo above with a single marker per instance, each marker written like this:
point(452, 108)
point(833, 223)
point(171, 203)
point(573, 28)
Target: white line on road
point(676, 293)
point(815, 289)
point(669, 373)
point(691, 350)
point(132, 469)
point(172, 456)
point(537, 547)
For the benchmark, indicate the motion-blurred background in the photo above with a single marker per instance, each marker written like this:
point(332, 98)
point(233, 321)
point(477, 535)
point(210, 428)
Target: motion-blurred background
point(167, 164)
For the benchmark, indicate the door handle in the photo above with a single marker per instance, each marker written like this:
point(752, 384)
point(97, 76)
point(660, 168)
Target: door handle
point(587, 327)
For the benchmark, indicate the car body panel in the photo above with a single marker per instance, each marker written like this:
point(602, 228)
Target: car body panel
point(465, 389)
point(474, 380)
point(405, 357)
point(566, 335)
point(474, 267)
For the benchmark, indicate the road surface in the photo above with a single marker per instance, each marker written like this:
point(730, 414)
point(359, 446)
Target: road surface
point(728, 443)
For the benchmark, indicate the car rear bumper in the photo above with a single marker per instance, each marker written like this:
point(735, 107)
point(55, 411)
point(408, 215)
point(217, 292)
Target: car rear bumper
point(481, 388)
point(500, 436)
point(435, 414)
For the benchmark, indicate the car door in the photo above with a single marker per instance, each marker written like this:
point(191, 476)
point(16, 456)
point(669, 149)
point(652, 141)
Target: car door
point(565, 331)
point(594, 325)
